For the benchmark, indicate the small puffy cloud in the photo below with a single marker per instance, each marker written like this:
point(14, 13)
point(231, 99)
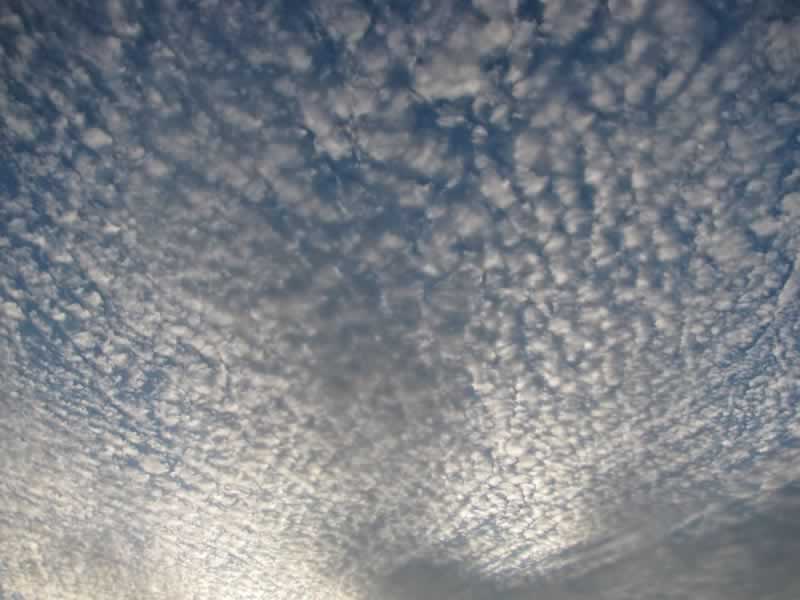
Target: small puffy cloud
point(96, 138)
point(12, 311)
point(153, 465)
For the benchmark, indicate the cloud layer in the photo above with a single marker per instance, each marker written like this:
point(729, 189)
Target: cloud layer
point(297, 298)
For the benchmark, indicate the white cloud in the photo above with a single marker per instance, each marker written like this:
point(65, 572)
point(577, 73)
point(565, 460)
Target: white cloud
point(12, 311)
point(96, 138)
point(307, 311)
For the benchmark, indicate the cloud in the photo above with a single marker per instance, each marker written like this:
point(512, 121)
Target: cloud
point(402, 301)
point(719, 555)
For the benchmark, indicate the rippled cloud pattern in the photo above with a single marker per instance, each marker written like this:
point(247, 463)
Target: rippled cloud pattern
point(399, 300)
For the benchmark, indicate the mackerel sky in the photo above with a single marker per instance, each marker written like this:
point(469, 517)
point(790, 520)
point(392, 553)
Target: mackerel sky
point(395, 300)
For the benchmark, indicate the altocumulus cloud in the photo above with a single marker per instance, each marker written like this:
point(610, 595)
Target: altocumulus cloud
point(333, 299)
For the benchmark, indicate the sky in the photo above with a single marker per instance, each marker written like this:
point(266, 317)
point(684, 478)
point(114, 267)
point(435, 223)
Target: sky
point(364, 300)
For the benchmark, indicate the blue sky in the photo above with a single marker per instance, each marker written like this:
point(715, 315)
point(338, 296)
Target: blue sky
point(337, 299)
